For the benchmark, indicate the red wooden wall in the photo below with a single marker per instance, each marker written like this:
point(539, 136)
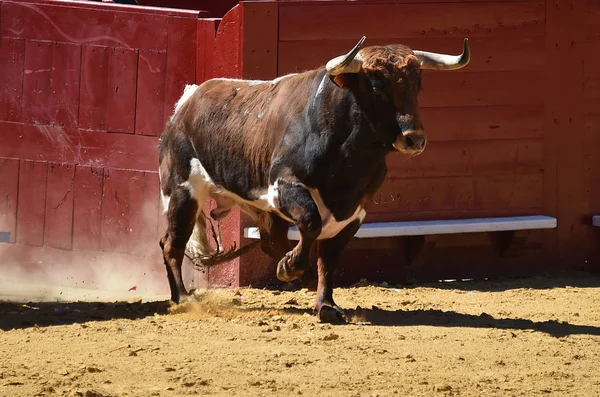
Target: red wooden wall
point(86, 88)
point(511, 134)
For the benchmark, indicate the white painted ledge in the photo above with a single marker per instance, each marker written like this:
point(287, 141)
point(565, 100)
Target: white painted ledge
point(596, 220)
point(451, 226)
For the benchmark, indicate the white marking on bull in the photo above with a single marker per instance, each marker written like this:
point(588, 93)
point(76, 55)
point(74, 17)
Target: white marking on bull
point(272, 195)
point(319, 90)
point(330, 226)
point(188, 91)
point(256, 82)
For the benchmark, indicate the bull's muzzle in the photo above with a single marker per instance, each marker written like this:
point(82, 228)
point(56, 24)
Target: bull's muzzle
point(411, 142)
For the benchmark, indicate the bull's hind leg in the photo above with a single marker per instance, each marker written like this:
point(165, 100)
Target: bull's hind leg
point(181, 216)
point(329, 252)
point(296, 202)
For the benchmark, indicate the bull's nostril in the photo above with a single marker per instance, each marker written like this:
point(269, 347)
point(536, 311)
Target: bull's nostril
point(409, 142)
point(422, 145)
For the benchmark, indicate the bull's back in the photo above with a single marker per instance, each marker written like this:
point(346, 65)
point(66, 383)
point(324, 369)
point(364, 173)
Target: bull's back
point(235, 126)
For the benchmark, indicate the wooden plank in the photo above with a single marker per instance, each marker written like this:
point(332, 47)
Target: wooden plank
point(129, 211)
point(94, 88)
point(115, 232)
point(564, 99)
point(591, 19)
point(181, 61)
point(65, 145)
point(149, 111)
point(69, 22)
point(205, 52)
point(470, 158)
point(58, 225)
point(313, 22)
point(228, 45)
point(121, 89)
point(481, 89)
point(260, 35)
point(9, 169)
point(493, 53)
point(37, 87)
point(592, 134)
point(404, 196)
point(444, 226)
point(373, 217)
point(12, 55)
point(87, 207)
point(488, 122)
point(65, 76)
point(143, 210)
point(32, 202)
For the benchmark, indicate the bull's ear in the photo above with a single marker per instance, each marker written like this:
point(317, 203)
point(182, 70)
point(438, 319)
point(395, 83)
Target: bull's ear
point(341, 80)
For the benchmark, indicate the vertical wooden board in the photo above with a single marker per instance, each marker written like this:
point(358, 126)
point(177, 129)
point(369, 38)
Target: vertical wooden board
point(65, 76)
point(94, 88)
point(9, 187)
point(32, 202)
point(143, 209)
point(115, 232)
point(566, 193)
point(87, 207)
point(12, 54)
point(205, 50)
point(228, 46)
point(181, 61)
point(58, 227)
point(37, 86)
point(260, 39)
point(149, 111)
point(121, 91)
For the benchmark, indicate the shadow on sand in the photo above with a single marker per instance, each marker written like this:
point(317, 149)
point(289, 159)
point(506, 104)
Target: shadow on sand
point(21, 316)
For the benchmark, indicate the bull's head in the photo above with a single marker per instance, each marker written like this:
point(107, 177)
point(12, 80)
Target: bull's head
point(387, 80)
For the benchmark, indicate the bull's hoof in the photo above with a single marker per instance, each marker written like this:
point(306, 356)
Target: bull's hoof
point(183, 297)
point(285, 271)
point(331, 314)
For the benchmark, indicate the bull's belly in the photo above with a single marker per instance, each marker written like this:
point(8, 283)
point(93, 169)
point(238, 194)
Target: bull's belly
point(201, 186)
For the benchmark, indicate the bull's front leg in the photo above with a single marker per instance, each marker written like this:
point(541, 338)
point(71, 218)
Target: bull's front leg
point(329, 252)
point(296, 202)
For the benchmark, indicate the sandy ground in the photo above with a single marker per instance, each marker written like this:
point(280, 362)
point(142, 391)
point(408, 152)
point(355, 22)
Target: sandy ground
point(526, 337)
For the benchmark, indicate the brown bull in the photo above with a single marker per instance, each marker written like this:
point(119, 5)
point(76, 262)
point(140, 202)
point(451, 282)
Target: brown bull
point(305, 149)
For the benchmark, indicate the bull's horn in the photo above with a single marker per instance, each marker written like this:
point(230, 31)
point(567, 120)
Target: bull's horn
point(432, 60)
point(346, 63)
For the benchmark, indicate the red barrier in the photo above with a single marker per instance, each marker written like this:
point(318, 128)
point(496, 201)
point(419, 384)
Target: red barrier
point(86, 90)
point(87, 87)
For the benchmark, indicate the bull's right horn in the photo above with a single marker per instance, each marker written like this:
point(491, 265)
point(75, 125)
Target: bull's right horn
point(433, 60)
point(348, 63)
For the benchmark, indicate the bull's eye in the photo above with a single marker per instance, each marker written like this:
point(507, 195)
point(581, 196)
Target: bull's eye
point(378, 86)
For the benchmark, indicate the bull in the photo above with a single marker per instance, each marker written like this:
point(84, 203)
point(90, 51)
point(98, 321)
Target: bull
point(306, 149)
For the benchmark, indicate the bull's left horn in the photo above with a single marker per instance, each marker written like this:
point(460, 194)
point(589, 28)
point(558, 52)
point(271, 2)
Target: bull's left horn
point(433, 60)
point(348, 63)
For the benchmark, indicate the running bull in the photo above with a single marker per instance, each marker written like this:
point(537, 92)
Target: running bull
point(306, 149)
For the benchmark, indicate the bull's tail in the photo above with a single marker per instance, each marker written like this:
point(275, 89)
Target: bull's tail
point(199, 249)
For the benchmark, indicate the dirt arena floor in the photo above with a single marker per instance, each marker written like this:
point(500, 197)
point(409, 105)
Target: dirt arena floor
point(526, 337)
